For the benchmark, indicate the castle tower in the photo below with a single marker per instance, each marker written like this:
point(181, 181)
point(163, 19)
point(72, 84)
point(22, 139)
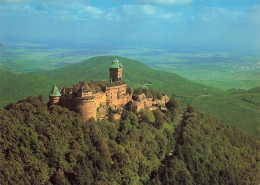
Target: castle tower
point(115, 70)
point(85, 106)
point(54, 96)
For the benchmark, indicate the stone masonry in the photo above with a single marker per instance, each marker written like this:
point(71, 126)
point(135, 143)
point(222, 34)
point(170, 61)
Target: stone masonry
point(92, 99)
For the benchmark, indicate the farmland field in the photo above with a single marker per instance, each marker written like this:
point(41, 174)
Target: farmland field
point(229, 70)
point(219, 69)
point(224, 70)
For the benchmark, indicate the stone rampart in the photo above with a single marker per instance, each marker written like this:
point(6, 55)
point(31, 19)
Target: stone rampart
point(66, 101)
point(85, 106)
point(100, 98)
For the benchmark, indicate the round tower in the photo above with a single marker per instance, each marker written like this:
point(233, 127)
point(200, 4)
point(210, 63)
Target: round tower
point(54, 96)
point(85, 106)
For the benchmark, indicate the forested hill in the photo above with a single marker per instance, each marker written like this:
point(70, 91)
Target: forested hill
point(239, 110)
point(136, 74)
point(51, 145)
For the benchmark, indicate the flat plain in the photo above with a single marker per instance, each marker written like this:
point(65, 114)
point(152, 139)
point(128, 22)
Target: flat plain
point(224, 70)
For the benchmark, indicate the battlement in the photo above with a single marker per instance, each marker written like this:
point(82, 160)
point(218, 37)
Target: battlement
point(92, 99)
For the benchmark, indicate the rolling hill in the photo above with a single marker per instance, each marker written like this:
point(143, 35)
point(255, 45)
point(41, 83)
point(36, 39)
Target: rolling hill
point(241, 110)
point(136, 74)
point(228, 107)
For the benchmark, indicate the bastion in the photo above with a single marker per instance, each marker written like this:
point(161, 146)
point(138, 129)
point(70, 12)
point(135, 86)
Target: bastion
point(92, 99)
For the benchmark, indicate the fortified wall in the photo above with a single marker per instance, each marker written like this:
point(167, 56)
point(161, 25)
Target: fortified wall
point(92, 99)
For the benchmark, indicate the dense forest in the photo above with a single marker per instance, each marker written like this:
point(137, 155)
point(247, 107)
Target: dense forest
point(52, 145)
point(236, 109)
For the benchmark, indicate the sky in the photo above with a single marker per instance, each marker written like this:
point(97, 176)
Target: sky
point(172, 23)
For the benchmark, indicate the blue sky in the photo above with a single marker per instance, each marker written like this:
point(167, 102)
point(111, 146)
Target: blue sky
point(176, 23)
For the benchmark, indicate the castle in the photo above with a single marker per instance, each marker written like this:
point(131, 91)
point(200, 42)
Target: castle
point(92, 99)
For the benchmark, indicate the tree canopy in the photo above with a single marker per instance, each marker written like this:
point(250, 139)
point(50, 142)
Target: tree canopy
point(52, 145)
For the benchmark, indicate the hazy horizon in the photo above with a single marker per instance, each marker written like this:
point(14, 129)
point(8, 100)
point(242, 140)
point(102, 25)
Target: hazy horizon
point(185, 24)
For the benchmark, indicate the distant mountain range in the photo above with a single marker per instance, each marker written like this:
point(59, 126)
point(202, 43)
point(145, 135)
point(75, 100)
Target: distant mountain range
point(236, 109)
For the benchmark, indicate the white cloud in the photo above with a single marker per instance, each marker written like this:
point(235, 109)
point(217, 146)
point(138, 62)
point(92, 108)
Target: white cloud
point(71, 10)
point(221, 14)
point(169, 2)
point(97, 13)
point(93, 10)
point(139, 9)
point(150, 11)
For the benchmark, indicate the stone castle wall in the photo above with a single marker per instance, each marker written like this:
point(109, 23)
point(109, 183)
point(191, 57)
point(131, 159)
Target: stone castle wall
point(117, 95)
point(124, 99)
point(163, 101)
point(66, 101)
point(142, 102)
point(54, 100)
point(86, 107)
point(146, 103)
point(95, 106)
point(113, 94)
point(100, 99)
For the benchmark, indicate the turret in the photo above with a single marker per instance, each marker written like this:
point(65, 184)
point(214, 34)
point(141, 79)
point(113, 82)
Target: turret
point(115, 70)
point(54, 96)
point(85, 106)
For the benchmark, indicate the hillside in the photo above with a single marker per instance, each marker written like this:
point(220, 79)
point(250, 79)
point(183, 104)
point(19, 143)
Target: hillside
point(241, 110)
point(135, 73)
point(207, 152)
point(51, 145)
point(225, 106)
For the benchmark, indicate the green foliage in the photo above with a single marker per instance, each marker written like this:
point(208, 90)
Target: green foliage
point(227, 107)
point(129, 90)
point(110, 114)
point(207, 152)
point(159, 119)
point(131, 116)
point(240, 110)
point(147, 116)
point(156, 95)
point(174, 103)
point(175, 109)
point(18, 86)
point(131, 106)
point(52, 145)
point(190, 109)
